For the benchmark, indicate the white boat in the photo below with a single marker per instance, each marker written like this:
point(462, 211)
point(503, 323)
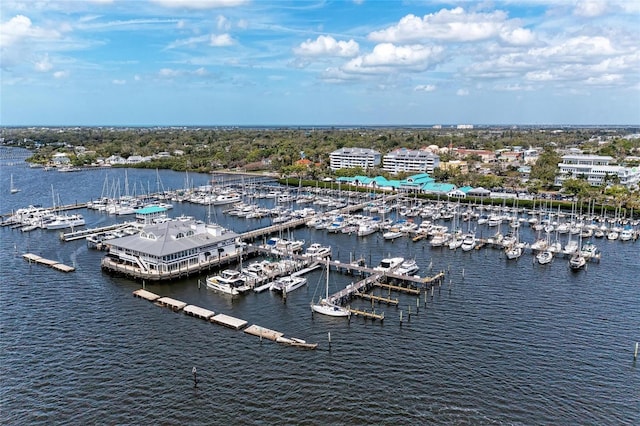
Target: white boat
point(223, 199)
point(288, 283)
point(577, 261)
point(468, 242)
point(513, 252)
point(544, 257)
point(440, 238)
point(365, 229)
point(12, 188)
point(589, 250)
point(408, 267)
point(64, 221)
point(229, 282)
point(571, 247)
point(626, 234)
point(326, 306)
point(392, 235)
point(318, 251)
point(389, 264)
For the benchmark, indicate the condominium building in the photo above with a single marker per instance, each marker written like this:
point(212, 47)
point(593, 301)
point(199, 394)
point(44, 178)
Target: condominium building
point(346, 158)
point(408, 160)
point(596, 170)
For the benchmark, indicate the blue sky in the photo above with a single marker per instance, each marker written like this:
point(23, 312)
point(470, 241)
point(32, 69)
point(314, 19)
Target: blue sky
point(250, 62)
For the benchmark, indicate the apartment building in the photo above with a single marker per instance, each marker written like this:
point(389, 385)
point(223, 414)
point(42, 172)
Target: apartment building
point(408, 160)
point(346, 158)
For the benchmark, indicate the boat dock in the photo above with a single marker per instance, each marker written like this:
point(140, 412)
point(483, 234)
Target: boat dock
point(30, 257)
point(84, 233)
point(221, 319)
point(363, 313)
point(378, 299)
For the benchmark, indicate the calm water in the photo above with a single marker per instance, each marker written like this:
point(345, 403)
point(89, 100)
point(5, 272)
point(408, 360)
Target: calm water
point(502, 343)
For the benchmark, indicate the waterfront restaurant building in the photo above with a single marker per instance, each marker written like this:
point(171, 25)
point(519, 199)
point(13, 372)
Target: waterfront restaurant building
point(596, 170)
point(172, 249)
point(346, 158)
point(409, 160)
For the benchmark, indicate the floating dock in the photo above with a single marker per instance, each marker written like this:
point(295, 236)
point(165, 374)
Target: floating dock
point(262, 332)
point(222, 319)
point(30, 257)
point(198, 312)
point(173, 304)
point(228, 321)
point(147, 295)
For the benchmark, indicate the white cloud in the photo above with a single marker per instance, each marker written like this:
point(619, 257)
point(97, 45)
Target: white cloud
point(44, 65)
point(200, 4)
point(387, 57)
point(462, 92)
point(605, 80)
point(61, 74)
point(448, 25)
point(20, 28)
point(169, 73)
point(590, 8)
point(220, 40)
point(424, 88)
point(222, 23)
point(186, 42)
point(576, 48)
point(327, 46)
point(119, 82)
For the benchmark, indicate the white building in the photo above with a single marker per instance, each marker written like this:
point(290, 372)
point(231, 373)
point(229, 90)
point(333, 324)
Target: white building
point(408, 160)
point(346, 158)
point(596, 170)
point(171, 249)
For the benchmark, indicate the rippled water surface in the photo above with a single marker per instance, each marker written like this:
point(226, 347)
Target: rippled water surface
point(498, 343)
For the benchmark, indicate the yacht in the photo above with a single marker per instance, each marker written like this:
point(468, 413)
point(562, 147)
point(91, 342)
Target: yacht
point(468, 242)
point(229, 282)
point(544, 257)
point(408, 267)
point(318, 251)
point(288, 283)
point(577, 261)
point(65, 221)
point(392, 234)
point(389, 264)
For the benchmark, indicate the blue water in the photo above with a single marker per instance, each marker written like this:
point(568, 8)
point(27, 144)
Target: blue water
point(500, 342)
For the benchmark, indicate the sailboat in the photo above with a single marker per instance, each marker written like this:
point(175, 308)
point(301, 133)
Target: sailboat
point(12, 188)
point(326, 306)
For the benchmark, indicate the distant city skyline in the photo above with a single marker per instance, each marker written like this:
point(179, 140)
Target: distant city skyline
point(319, 63)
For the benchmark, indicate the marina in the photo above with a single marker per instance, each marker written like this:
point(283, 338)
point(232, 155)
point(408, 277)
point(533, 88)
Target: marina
point(472, 305)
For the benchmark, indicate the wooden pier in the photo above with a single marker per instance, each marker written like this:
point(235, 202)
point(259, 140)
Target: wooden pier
point(84, 233)
point(366, 314)
point(409, 290)
point(273, 229)
point(375, 298)
point(54, 264)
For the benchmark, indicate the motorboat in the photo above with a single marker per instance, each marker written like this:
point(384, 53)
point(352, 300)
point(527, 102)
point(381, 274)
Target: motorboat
point(577, 261)
point(318, 251)
point(544, 257)
point(468, 242)
point(288, 283)
point(389, 264)
point(228, 281)
point(408, 267)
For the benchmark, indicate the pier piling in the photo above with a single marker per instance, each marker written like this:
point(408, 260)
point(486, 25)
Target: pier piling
point(195, 377)
point(635, 353)
point(329, 338)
